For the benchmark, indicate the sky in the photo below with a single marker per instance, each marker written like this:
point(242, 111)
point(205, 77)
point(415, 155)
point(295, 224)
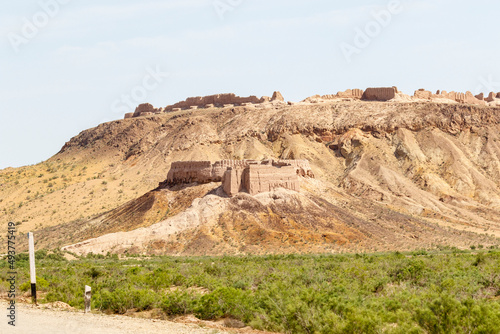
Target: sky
point(69, 65)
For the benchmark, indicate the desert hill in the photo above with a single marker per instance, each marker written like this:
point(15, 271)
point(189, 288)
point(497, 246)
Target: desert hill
point(388, 175)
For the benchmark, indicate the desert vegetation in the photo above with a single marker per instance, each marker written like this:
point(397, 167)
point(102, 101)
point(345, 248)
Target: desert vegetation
point(441, 291)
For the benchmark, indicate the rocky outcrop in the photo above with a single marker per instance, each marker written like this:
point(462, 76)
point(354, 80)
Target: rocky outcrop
point(351, 143)
point(302, 167)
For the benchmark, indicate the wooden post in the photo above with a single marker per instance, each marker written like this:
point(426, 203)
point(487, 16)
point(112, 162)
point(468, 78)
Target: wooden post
point(87, 296)
point(31, 243)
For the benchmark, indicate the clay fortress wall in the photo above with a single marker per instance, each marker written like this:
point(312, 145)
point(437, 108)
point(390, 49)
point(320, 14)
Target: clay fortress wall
point(206, 102)
point(237, 176)
point(370, 94)
point(392, 93)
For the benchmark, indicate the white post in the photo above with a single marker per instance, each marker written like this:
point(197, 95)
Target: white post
point(31, 243)
point(87, 296)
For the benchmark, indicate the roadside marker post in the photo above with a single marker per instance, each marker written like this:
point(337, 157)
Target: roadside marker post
point(31, 243)
point(87, 297)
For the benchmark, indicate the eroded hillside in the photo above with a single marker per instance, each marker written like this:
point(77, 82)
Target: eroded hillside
point(388, 176)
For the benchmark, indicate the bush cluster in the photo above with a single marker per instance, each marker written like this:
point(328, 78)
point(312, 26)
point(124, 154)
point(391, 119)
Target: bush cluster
point(421, 292)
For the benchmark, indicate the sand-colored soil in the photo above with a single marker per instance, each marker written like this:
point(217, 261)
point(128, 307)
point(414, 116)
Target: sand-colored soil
point(51, 321)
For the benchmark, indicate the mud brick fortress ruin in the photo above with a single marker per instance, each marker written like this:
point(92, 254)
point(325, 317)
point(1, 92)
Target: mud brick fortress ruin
point(207, 102)
point(390, 94)
point(237, 176)
point(421, 95)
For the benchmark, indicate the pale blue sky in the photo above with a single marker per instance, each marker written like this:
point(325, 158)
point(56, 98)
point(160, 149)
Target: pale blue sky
point(72, 74)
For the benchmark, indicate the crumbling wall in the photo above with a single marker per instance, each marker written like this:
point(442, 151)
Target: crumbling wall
point(371, 94)
point(221, 100)
point(201, 171)
point(467, 97)
point(211, 101)
point(264, 178)
point(241, 175)
point(471, 99)
point(351, 94)
point(189, 171)
point(423, 94)
point(380, 94)
point(302, 167)
point(146, 109)
point(218, 100)
point(492, 97)
point(390, 93)
point(348, 94)
point(232, 182)
point(220, 167)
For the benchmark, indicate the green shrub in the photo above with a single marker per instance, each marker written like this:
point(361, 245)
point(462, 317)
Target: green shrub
point(41, 284)
point(94, 273)
point(123, 299)
point(410, 270)
point(447, 315)
point(223, 302)
point(21, 257)
point(179, 303)
point(437, 292)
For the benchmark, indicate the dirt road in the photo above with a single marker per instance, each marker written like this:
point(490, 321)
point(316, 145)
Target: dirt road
point(31, 320)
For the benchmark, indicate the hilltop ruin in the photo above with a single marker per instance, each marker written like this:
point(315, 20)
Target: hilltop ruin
point(207, 102)
point(393, 94)
point(381, 94)
point(222, 100)
point(237, 176)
